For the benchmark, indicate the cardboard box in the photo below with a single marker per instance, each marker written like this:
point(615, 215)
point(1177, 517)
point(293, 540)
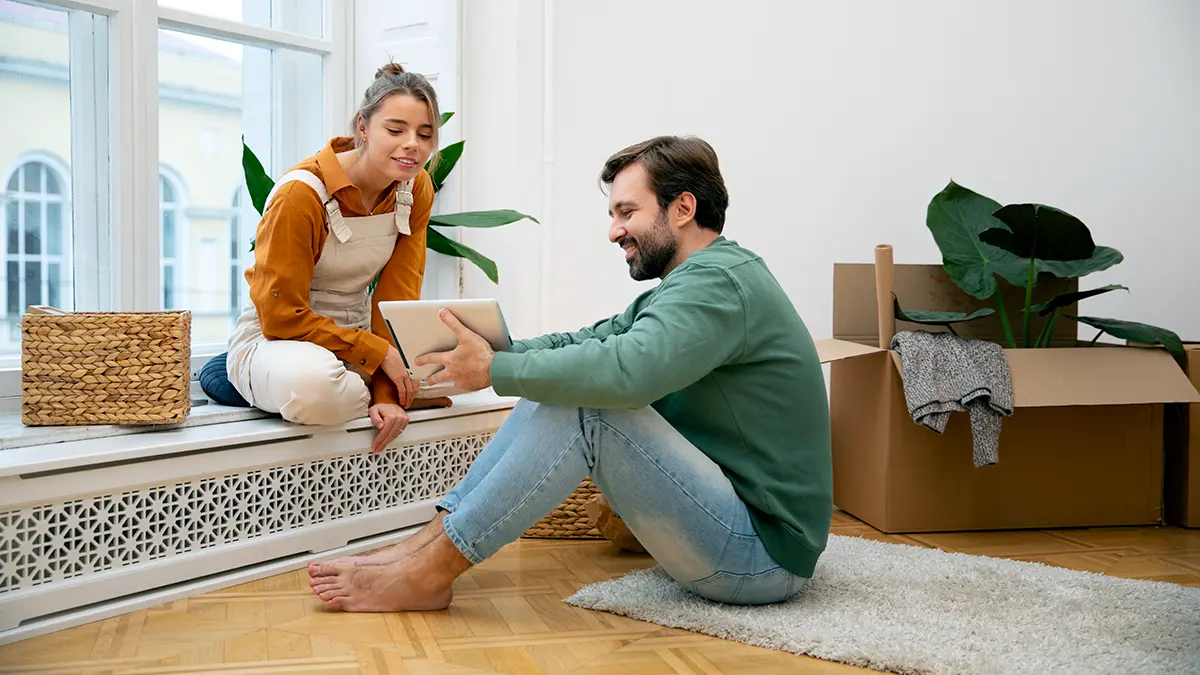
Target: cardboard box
point(1084, 446)
point(1183, 453)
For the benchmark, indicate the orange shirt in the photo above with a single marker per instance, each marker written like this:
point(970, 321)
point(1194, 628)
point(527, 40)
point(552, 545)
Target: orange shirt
point(288, 244)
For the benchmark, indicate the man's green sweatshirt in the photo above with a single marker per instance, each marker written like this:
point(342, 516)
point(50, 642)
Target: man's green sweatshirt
point(719, 351)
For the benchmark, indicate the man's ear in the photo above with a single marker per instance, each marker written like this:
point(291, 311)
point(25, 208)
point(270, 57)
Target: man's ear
point(684, 209)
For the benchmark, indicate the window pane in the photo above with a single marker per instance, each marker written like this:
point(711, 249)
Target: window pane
point(33, 284)
point(168, 233)
point(211, 95)
point(306, 17)
point(12, 282)
point(48, 104)
point(168, 275)
point(33, 177)
point(12, 225)
point(53, 281)
point(33, 226)
point(54, 244)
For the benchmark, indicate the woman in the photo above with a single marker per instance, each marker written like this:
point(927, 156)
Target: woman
point(314, 347)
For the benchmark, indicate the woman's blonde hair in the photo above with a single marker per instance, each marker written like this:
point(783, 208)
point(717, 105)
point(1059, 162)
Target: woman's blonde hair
point(391, 80)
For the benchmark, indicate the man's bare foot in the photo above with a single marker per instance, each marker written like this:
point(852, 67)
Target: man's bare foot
point(421, 580)
point(378, 588)
point(394, 553)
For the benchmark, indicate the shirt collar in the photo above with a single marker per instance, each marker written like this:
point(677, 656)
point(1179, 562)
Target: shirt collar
point(332, 173)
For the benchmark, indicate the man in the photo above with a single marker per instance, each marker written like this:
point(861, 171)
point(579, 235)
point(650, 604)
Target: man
point(700, 413)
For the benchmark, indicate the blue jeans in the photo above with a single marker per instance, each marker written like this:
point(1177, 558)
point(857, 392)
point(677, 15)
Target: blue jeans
point(675, 499)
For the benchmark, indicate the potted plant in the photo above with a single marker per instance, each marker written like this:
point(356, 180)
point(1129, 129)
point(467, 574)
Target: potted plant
point(259, 185)
point(981, 240)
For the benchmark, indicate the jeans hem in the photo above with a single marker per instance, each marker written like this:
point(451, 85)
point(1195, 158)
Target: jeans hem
point(461, 544)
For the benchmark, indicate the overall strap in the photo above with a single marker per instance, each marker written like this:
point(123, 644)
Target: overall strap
point(404, 202)
point(333, 212)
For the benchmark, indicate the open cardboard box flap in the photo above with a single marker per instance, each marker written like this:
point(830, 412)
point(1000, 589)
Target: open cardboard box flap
point(1062, 375)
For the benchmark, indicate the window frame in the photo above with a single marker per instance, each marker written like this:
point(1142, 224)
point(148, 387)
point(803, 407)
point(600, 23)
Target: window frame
point(116, 164)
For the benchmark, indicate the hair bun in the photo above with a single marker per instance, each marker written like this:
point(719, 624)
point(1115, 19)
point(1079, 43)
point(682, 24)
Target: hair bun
point(389, 69)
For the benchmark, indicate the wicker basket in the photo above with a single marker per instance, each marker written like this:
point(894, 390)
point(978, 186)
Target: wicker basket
point(105, 367)
point(569, 520)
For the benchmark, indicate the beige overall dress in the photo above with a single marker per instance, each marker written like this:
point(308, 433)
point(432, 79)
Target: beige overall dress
point(303, 381)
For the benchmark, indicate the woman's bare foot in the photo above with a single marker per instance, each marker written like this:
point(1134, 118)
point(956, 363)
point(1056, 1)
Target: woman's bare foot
point(394, 553)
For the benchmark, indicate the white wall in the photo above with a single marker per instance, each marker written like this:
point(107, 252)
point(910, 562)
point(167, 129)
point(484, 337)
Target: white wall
point(836, 123)
point(424, 38)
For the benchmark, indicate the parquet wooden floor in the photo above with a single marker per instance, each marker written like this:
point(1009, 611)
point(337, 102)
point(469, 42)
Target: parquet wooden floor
point(507, 617)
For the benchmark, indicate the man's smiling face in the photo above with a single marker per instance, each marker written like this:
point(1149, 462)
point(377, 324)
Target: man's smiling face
point(639, 226)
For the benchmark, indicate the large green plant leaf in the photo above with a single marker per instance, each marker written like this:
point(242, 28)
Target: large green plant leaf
point(938, 318)
point(479, 218)
point(1058, 301)
point(446, 158)
point(445, 118)
point(1040, 232)
point(1102, 259)
point(1135, 332)
point(258, 183)
point(443, 244)
point(956, 216)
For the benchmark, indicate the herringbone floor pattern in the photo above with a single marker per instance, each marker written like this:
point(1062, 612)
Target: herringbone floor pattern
point(507, 617)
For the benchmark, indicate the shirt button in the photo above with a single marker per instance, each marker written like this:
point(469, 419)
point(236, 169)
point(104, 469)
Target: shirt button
point(362, 362)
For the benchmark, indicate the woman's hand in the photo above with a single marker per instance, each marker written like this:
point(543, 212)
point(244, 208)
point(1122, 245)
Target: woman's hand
point(393, 365)
point(390, 419)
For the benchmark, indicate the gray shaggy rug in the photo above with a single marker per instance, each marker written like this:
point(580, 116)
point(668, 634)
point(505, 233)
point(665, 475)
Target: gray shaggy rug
point(907, 609)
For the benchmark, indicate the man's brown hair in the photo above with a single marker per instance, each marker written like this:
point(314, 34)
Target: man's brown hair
point(678, 164)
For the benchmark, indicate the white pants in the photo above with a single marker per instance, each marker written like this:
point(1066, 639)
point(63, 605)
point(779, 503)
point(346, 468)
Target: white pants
point(302, 381)
point(306, 383)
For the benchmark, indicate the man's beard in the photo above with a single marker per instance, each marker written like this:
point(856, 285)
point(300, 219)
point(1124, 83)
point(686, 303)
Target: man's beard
point(653, 252)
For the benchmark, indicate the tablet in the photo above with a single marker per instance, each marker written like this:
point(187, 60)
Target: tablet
point(417, 329)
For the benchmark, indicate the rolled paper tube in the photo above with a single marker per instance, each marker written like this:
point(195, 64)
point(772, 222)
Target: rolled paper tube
point(884, 286)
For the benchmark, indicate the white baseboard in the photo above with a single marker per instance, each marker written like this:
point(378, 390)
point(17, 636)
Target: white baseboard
point(188, 589)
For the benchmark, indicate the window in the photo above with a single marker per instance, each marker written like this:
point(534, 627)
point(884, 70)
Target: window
point(36, 242)
point(296, 16)
point(170, 215)
point(212, 95)
point(99, 95)
point(53, 189)
point(240, 258)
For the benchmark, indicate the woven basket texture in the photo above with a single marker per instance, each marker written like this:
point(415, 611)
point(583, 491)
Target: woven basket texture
point(105, 368)
point(569, 520)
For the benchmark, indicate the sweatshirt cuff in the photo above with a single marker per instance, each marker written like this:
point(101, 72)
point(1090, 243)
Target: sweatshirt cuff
point(368, 352)
point(504, 374)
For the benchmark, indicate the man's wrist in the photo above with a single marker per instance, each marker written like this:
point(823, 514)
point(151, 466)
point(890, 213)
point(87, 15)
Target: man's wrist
point(487, 368)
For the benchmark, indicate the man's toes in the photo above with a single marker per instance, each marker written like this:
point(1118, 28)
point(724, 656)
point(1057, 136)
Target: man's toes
point(331, 594)
point(314, 579)
point(324, 569)
point(322, 588)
